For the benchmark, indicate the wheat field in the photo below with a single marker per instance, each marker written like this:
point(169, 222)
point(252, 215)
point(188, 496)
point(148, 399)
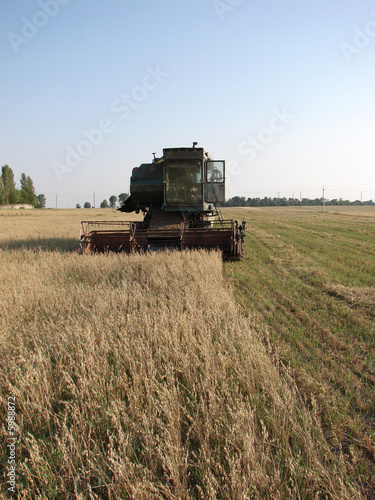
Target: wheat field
point(139, 376)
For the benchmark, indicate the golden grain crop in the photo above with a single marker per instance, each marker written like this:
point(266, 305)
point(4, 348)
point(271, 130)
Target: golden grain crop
point(138, 377)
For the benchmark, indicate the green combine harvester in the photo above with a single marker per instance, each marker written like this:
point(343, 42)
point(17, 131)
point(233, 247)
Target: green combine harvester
point(179, 195)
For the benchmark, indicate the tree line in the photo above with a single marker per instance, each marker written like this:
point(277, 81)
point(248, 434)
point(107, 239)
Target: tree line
point(110, 203)
point(241, 201)
point(9, 194)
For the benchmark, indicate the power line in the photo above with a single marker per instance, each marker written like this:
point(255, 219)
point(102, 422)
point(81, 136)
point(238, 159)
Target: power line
point(360, 191)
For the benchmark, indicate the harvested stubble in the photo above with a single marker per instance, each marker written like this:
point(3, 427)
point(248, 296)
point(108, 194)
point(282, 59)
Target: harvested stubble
point(137, 377)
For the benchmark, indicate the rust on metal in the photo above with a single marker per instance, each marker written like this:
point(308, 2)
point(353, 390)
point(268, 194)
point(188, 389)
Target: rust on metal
point(124, 236)
point(179, 195)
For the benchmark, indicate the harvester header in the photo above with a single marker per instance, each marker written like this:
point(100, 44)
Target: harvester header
point(180, 196)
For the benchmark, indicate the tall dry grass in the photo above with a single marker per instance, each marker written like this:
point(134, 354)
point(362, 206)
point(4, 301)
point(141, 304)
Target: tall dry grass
point(138, 377)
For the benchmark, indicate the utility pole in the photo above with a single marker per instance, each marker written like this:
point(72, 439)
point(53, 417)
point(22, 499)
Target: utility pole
point(94, 200)
point(324, 202)
point(361, 197)
point(56, 200)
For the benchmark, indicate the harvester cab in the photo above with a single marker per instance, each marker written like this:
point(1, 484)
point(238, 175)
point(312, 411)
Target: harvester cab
point(183, 181)
point(179, 195)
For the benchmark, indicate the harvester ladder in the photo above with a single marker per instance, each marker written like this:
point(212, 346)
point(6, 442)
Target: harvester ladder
point(221, 218)
point(182, 229)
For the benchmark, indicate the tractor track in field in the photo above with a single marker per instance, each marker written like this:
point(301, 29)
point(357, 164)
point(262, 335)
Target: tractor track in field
point(317, 330)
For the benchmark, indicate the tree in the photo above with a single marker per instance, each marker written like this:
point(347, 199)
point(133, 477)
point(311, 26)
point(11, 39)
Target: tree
point(78, 205)
point(87, 204)
point(112, 201)
point(27, 192)
point(41, 201)
point(122, 197)
point(2, 192)
point(11, 194)
point(104, 204)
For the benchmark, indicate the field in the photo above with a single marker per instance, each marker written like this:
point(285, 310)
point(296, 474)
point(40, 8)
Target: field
point(173, 375)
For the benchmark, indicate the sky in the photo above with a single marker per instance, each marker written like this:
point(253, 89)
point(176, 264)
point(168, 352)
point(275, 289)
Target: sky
point(284, 91)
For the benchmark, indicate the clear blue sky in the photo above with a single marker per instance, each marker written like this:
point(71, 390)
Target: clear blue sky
point(284, 91)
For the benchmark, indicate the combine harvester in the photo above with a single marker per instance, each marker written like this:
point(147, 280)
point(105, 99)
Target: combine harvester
point(179, 195)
